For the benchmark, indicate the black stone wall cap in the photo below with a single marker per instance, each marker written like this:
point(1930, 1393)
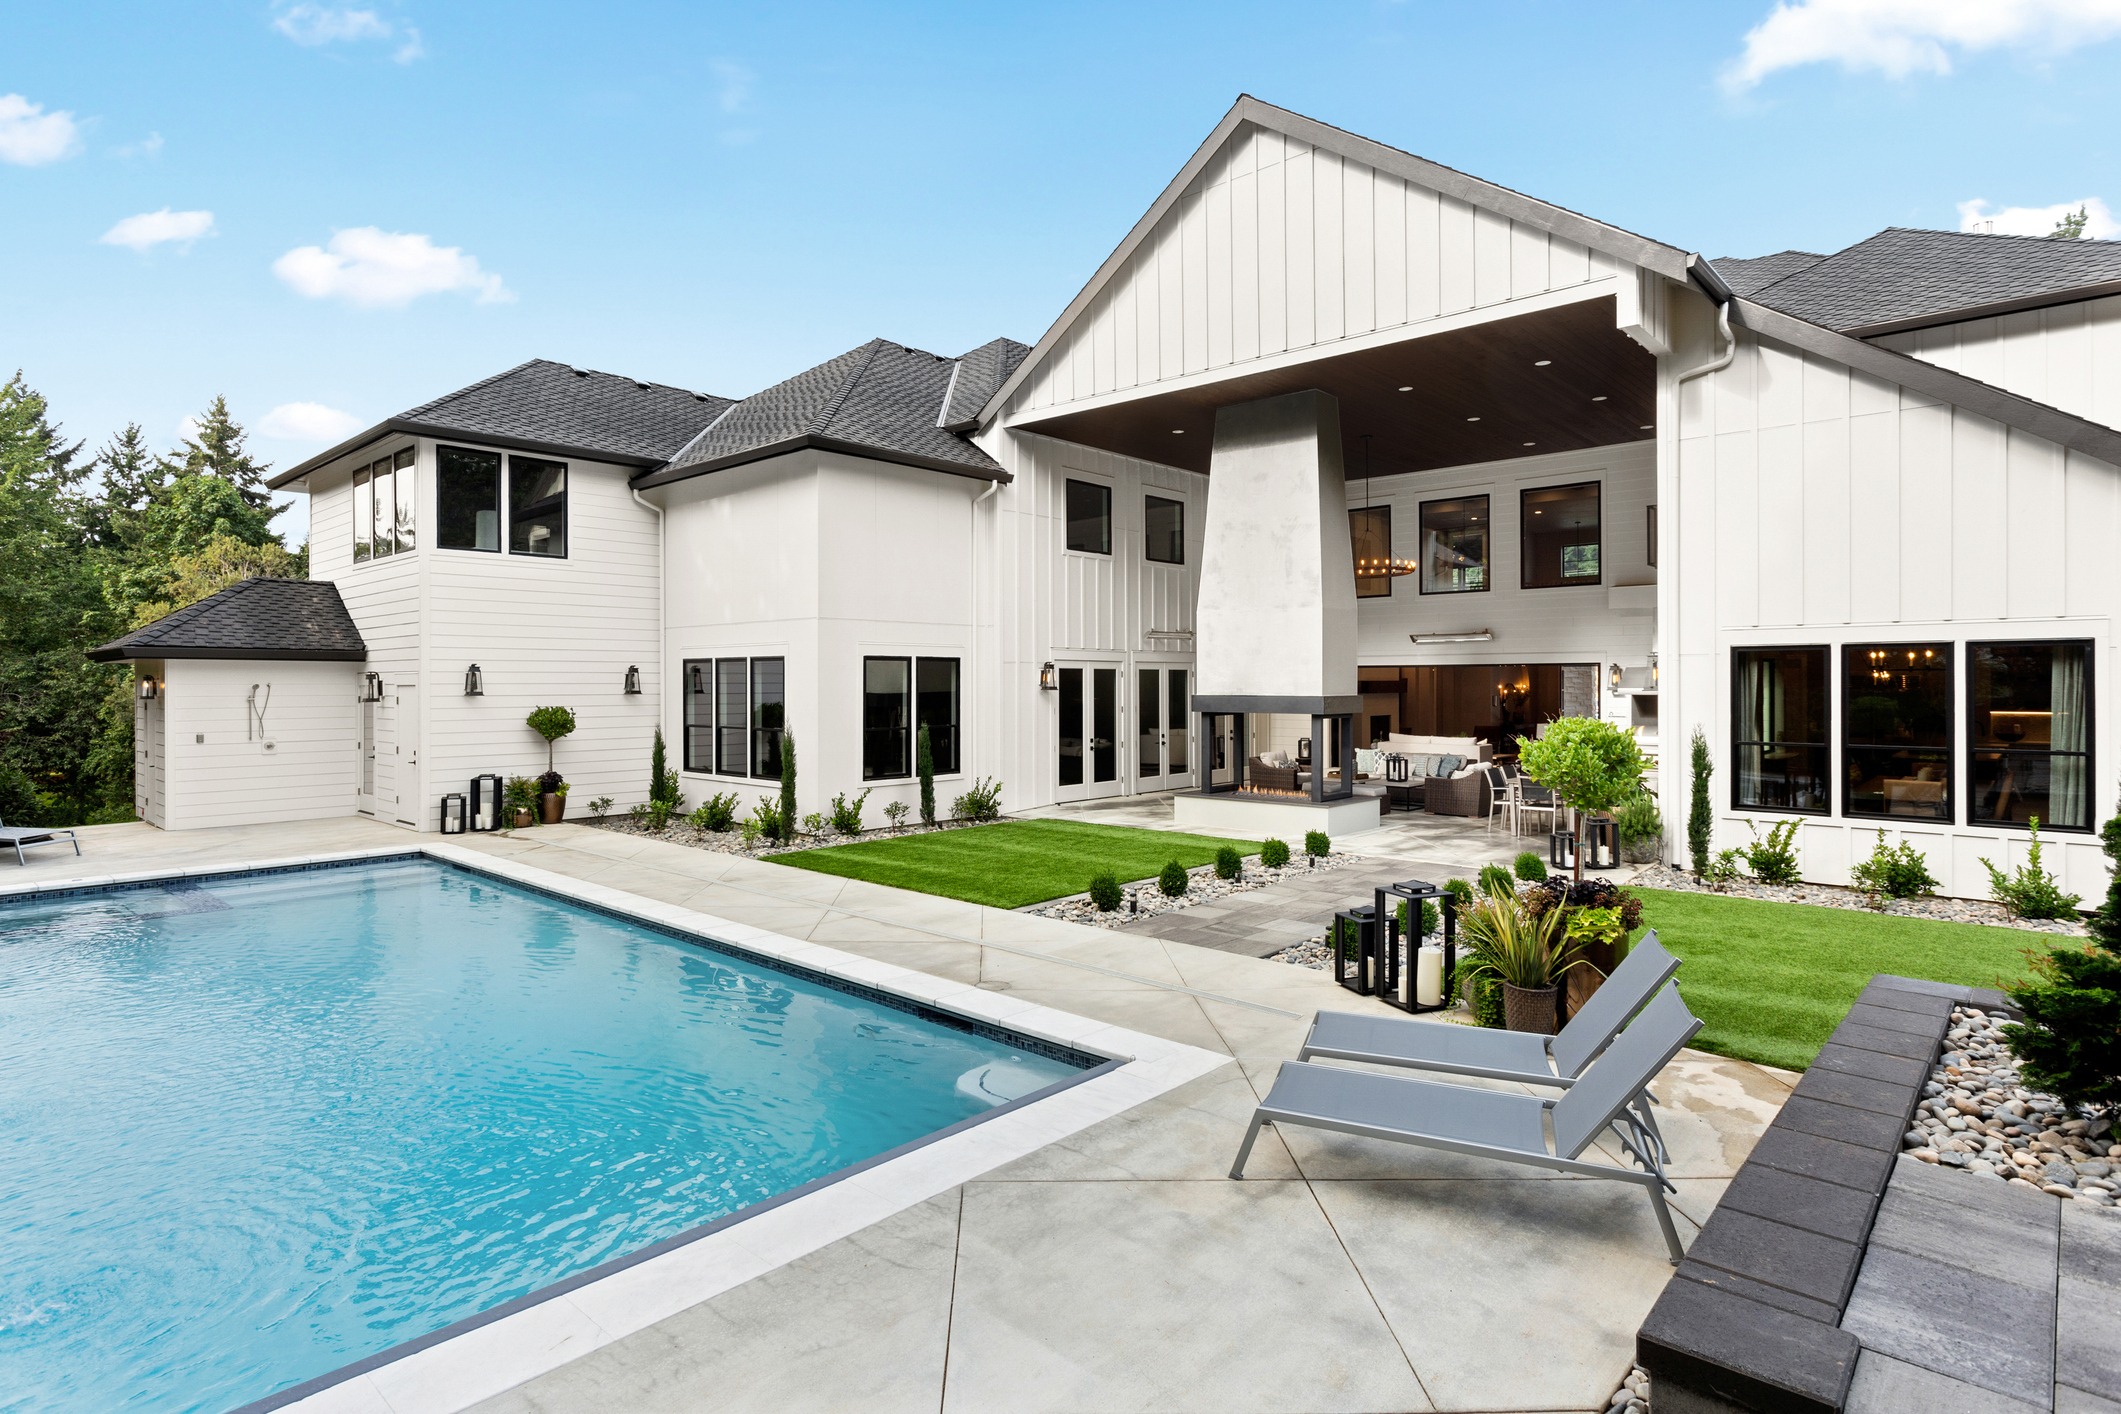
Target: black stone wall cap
point(1914, 1023)
point(1906, 1044)
point(1829, 1209)
point(1860, 1092)
point(1822, 1269)
point(1905, 1071)
point(1886, 981)
point(1923, 1002)
point(1829, 1160)
point(1866, 1128)
point(1759, 1291)
point(1721, 1346)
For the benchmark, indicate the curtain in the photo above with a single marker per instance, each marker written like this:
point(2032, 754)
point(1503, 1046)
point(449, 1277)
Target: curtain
point(2066, 788)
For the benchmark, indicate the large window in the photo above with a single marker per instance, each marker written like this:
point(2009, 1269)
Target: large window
point(769, 715)
point(935, 706)
point(699, 714)
point(364, 516)
point(887, 714)
point(1896, 734)
point(537, 507)
point(1779, 718)
point(1089, 517)
point(1560, 536)
point(1370, 534)
point(1164, 530)
point(2029, 734)
point(732, 715)
point(408, 498)
point(1454, 546)
point(467, 499)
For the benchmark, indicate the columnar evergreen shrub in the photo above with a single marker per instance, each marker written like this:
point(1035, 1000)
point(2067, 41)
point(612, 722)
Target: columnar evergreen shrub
point(662, 781)
point(787, 810)
point(1173, 880)
point(1228, 862)
point(1274, 854)
point(2070, 1041)
point(1700, 819)
point(924, 767)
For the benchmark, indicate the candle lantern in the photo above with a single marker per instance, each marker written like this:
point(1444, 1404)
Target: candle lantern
point(453, 813)
point(1357, 960)
point(1419, 980)
point(485, 813)
point(1600, 843)
point(1561, 849)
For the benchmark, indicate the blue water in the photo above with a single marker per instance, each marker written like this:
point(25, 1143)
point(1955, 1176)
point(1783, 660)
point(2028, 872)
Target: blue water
point(253, 1130)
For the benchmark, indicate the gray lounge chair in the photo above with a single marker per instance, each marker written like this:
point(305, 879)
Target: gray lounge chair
point(1501, 1124)
point(1499, 1055)
point(20, 837)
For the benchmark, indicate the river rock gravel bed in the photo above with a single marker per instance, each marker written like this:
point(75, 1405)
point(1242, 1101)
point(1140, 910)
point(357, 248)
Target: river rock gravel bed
point(1145, 900)
point(1974, 1116)
point(1949, 910)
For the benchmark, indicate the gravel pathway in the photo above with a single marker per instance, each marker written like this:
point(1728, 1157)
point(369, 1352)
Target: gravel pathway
point(1950, 910)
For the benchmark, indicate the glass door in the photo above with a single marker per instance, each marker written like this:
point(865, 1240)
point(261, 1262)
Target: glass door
point(1089, 731)
point(1162, 729)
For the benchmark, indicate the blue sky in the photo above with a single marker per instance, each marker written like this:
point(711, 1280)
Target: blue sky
point(331, 212)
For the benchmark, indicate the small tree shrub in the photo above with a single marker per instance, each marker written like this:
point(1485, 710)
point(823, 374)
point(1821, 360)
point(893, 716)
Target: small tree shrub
point(1723, 868)
point(981, 803)
point(1773, 858)
point(1104, 893)
point(1893, 871)
point(814, 823)
point(2070, 1041)
point(521, 793)
point(2029, 891)
point(786, 814)
point(847, 814)
point(1460, 890)
point(1497, 882)
point(896, 812)
point(1172, 882)
point(1316, 844)
point(1274, 854)
point(662, 781)
point(600, 807)
point(1228, 862)
point(765, 822)
point(1588, 762)
point(551, 723)
point(924, 767)
point(1700, 819)
point(1529, 867)
point(717, 813)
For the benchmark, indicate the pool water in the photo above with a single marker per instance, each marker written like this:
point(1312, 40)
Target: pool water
point(256, 1129)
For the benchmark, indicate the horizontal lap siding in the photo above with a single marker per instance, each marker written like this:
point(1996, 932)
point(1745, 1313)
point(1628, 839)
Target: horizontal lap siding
point(230, 778)
point(1820, 505)
point(1279, 246)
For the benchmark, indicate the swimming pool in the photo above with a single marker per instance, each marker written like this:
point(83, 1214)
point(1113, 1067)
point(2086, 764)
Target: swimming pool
point(254, 1129)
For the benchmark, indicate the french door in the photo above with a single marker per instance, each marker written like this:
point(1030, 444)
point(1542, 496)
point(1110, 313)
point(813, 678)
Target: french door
point(1090, 741)
point(1163, 757)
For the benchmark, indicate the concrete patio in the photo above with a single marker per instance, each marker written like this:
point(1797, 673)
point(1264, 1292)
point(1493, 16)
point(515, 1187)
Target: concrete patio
point(1120, 1269)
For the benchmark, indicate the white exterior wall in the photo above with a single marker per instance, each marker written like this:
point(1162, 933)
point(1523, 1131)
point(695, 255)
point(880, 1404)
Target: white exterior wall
point(2067, 355)
point(219, 768)
point(1811, 505)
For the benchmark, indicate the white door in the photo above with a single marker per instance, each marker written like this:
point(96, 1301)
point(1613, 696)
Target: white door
point(365, 785)
point(1091, 731)
point(1163, 729)
point(147, 761)
point(406, 701)
point(383, 758)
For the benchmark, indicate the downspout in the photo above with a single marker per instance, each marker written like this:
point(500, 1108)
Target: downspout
point(973, 589)
point(662, 602)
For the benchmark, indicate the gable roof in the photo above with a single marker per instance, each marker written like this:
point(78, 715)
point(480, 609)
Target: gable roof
point(1745, 275)
point(1906, 279)
point(881, 400)
point(291, 619)
point(542, 406)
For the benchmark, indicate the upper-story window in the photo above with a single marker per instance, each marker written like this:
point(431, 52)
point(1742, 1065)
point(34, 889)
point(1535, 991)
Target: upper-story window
point(537, 507)
point(471, 494)
point(1089, 517)
point(385, 493)
point(1454, 546)
point(1370, 534)
point(1164, 530)
point(1560, 537)
point(2029, 733)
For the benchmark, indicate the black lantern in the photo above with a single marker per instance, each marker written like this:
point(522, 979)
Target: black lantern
point(633, 682)
point(699, 681)
point(1358, 962)
point(1048, 680)
point(1405, 983)
point(147, 689)
point(485, 811)
point(474, 682)
point(1561, 849)
point(371, 687)
point(1600, 843)
point(453, 813)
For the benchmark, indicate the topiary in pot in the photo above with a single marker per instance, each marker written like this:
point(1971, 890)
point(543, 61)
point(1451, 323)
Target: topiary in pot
point(1589, 763)
point(551, 723)
point(1172, 882)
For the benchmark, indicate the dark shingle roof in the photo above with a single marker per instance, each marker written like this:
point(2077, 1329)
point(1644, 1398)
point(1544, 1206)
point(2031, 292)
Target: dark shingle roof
point(1744, 276)
point(881, 400)
point(1902, 278)
point(259, 618)
point(979, 373)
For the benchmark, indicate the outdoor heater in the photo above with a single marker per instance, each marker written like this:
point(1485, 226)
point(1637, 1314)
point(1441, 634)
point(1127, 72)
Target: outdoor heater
point(453, 813)
point(485, 813)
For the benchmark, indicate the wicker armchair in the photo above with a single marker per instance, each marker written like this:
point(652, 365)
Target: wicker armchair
point(1260, 776)
point(1467, 795)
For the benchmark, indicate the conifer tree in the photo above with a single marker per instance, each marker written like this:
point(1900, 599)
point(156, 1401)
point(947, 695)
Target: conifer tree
point(787, 787)
point(924, 763)
point(2069, 1044)
point(217, 449)
point(130, 476)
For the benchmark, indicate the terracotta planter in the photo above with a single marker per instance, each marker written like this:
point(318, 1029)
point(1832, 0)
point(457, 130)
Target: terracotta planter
point(524, 820)
point(1528, 1009)
point(552, 806)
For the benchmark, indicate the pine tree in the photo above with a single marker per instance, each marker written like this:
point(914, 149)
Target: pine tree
point(2071, 226)
point(2069, 1044)
point(217, 449)
point(130, 477)
point(1700, 820)
point(787, 787)
point(924, 763)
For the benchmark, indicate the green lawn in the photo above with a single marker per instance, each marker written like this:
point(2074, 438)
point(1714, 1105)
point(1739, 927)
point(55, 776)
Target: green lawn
point(1013, 863)
point(1773, 980)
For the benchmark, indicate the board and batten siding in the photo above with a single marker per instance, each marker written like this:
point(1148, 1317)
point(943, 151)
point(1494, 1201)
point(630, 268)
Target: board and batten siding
point(220, 766)
point(1810, 505)
point(2067, 355)
point(1278, 246)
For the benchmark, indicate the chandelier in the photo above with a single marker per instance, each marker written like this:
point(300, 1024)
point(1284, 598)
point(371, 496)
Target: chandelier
point(1377, 566)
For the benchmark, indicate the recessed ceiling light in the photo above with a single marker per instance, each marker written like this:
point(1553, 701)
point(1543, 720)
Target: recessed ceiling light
point(1472, 419)
point(1407, 388)
point(1539, 513)
point(1542, 363)
point(1531, 444)
point(1648, 426)
point(1178, 432)
point(1599, 399)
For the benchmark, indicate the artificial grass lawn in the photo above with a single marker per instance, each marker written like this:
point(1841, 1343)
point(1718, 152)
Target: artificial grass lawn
point(1013, 863)
point(1772, 980)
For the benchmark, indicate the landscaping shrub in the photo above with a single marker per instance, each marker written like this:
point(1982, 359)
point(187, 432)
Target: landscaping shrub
point(1641, 828)
point(1228, 862)
point(1773, 859)
point(1316, 844)
point(1173, 880)
point(1893, 871)
point(600, 807)
point(786, 814)
point(1274, 854)
point(847, 814)
point(896, 812)
point(1104, 893)
point(2070, 1041)
point(814, 824)
point(1722, 868)
point(765, 822)
point(1700, 820)
point(982, 803)
point(924, 767)
point(1431, 919)
point(662, 781)
point(717, 813)
point(2029, 891)
point(521, 793)
point(1460, 890)
point(1529, 867)
point(1497, 882)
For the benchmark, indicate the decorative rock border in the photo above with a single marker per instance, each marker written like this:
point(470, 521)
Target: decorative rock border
point(1201, 887)
point(1933, 906)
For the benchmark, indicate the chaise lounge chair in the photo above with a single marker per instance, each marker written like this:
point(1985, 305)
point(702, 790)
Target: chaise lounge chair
point(1499, 1055)
point(1501, 1124)
point(20, 837)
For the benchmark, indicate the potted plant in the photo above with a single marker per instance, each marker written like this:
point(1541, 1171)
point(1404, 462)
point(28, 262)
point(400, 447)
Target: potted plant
point(551, 723)
point(1592, 765)
point(1527, 953)
point(521, 798)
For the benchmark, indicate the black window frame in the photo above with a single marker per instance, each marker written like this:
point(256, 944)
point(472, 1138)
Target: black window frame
point(508, 497)
point(363, 507)
point(1950, 750)
point(1421, 531)
point(1068, 517)
point(1524, 529)
point(383, 507)
point(1151, 500)
point(875, 744)
point(2091, 734)
point(945, 746)
point(500, 499)
point(1739, 743)
point(1355, 552)
point(736, 672)
point(766, 740)
point(696, 682)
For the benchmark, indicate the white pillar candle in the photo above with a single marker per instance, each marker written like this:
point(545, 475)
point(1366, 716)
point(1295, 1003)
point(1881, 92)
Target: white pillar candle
point(1428, 976)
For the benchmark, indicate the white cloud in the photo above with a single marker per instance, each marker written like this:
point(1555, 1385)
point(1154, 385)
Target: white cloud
point(733, 84)
point(30, 137)
point(1902, 37)
point(410, 48)
point(314, 25)
point(376, 268)
point(308, 422)
point(152, 228)
point(1978, 215)
point(149, 146)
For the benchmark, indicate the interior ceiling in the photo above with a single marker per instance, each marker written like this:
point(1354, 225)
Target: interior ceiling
point(1478, 394)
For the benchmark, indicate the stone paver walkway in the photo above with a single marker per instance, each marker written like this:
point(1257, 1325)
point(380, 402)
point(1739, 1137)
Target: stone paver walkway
point(1121, 1269)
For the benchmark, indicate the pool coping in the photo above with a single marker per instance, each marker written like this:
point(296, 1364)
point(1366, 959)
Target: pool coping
point(494, 1350)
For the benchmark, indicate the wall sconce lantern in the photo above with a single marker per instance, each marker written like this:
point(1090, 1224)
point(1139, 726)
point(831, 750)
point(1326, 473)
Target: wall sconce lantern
point(147, 689)
point(1612, 678)
point(453, 813)
point(371, 687)
point(699, 681)
point(485, 811)
point(1653, 672)
point(1048, 679)
point(633, 682)
point(474, 682)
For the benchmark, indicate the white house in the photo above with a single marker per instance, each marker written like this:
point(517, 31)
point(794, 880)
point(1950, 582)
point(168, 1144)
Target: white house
point(1337, 443)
